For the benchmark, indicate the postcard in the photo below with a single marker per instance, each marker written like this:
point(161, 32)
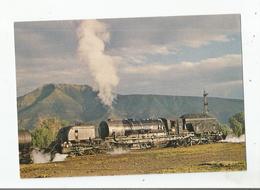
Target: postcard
point(124, 96)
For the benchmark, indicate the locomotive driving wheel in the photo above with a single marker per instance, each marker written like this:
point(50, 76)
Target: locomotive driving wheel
point(189, 141)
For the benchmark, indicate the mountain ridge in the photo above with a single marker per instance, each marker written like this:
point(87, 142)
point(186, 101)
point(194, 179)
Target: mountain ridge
point(88, 86)
point(80, 102)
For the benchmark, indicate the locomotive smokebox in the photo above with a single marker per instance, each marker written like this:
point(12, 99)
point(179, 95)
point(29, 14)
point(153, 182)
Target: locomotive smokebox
point(113, 127)
point(103, 130)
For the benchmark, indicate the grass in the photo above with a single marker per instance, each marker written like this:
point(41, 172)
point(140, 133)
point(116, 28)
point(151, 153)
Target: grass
point(199, 158)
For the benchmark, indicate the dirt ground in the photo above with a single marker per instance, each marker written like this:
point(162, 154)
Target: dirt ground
point(199, 158)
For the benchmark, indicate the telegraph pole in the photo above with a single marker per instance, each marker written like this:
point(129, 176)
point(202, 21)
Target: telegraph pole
point(205, 102)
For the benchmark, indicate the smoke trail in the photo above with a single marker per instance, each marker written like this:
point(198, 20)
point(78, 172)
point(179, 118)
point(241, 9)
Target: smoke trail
point(93, 36)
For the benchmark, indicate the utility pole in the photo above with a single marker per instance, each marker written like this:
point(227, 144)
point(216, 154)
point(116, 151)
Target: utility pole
point(205, 102)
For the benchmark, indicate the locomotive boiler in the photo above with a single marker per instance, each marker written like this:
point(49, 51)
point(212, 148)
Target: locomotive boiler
point(134, 134)
point(127, 127)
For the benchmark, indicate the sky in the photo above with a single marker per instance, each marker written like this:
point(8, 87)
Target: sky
point(158, 55)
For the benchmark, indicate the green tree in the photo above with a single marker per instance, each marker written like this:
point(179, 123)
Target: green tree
point(237, 124)
point(45, 132)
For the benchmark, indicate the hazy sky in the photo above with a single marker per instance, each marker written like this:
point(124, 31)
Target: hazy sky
point(161, 55)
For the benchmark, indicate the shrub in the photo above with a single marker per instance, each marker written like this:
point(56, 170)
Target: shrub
point(45, 132)
point(237, 124)
point(225, 129)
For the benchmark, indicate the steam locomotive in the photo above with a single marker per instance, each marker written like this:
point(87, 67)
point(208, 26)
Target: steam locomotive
point(187, 130)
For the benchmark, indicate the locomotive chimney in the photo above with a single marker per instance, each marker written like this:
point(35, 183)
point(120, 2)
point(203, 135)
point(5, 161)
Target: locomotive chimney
point(205, 102)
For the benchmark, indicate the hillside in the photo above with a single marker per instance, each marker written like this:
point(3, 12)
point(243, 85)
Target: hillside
point(80, 102)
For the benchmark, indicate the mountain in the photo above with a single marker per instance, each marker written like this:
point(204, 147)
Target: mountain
point(81, 103)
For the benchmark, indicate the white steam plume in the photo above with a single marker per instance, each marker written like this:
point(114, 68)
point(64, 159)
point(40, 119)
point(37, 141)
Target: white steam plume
point(93, 36)
point(59, 157)
point(39, 156)
point(234, 139)
point(118, 151)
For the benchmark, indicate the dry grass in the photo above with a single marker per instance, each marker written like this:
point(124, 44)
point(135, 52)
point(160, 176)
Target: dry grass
point(199, 158)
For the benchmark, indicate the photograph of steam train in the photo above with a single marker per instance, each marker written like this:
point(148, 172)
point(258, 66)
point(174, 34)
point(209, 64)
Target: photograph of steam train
point(130, 96)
